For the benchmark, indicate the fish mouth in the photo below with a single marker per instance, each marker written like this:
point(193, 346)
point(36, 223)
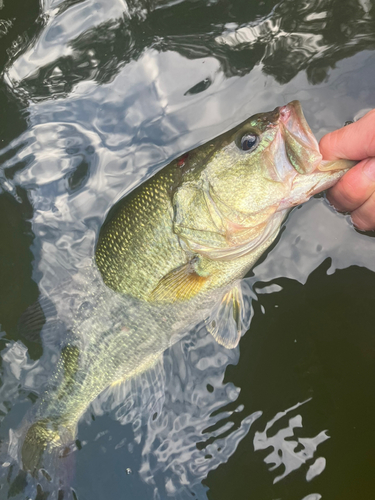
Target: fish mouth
point(301, 147)
point(302, 153)
point(293, 110)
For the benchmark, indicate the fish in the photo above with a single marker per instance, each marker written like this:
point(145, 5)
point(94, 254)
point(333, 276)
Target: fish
point(171, 255)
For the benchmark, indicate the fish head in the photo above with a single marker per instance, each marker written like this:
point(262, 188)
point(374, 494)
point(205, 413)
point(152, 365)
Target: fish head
point(250, 178)
point(270, 162)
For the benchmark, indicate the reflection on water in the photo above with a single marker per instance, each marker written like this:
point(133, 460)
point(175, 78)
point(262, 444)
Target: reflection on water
point(93, 41)
point(96, 96)
point(194, 433)
point(285, 450)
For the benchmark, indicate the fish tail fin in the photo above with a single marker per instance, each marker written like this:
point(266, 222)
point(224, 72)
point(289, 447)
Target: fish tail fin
point(42, 461)
point(43, 437)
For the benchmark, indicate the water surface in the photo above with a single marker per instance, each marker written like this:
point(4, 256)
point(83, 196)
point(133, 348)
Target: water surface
point(96, 96)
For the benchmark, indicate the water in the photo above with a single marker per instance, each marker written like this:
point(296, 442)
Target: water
point(97, 96)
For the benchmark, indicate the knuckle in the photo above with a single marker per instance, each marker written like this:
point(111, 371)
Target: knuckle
point(364, 217)
point(344, 196)
point(362, 223)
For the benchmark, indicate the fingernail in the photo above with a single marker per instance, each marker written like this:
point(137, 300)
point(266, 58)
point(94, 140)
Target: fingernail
point(369, 169)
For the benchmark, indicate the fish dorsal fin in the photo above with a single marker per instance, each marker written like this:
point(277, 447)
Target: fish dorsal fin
point(231, 317)
point(182, 283)
point(34, 318)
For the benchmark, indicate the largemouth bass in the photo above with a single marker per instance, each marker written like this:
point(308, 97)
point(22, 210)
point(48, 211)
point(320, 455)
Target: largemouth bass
point(171, 255)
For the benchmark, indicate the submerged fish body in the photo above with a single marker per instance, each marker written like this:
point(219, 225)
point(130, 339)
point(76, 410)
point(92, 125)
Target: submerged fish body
point(171, 255)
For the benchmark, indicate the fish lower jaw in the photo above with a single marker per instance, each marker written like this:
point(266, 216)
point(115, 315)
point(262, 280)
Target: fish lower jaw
point(304, 187)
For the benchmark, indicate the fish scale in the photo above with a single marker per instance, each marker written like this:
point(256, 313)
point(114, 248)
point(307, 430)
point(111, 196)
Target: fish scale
point(144, 223)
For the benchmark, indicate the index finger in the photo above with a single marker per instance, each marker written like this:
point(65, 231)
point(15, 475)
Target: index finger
point(353, 142)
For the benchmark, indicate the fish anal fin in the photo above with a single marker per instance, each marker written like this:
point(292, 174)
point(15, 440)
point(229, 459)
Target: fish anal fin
point(140, 394)
point(182, 283)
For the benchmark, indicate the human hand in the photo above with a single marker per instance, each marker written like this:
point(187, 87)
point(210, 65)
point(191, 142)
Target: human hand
point(355, 191)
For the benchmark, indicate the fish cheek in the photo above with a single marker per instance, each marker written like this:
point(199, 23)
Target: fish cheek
point(251, 194)
point(241, 181)
point(195, 222)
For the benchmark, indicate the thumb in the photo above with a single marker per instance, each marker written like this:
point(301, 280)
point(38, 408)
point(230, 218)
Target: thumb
point(355, 187)
point(353, 142)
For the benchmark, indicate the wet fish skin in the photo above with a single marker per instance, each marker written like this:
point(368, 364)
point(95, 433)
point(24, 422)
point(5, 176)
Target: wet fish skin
point(172, 251)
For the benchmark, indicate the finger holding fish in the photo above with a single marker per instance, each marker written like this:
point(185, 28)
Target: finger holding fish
point(355, 192)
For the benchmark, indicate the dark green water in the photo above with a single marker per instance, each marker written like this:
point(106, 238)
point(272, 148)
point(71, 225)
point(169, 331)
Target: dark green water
point(94, 98)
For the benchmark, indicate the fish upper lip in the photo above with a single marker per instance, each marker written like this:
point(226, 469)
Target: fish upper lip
point(293, 123)
point(284, 113)
point(274, 116)
point(300, 145)
point(293, 109)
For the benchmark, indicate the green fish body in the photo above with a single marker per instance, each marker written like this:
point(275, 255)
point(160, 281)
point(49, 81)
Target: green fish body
point(172, 253)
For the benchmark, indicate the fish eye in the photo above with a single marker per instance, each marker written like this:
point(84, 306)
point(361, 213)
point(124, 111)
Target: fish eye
point(249, 142)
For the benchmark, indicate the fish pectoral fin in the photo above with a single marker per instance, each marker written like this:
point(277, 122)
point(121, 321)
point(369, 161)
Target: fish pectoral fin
point(182, 283)
point(231, 317)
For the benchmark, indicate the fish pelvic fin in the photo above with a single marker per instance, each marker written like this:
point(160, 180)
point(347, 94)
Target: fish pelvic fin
point(231, 317)
point(182, 283)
